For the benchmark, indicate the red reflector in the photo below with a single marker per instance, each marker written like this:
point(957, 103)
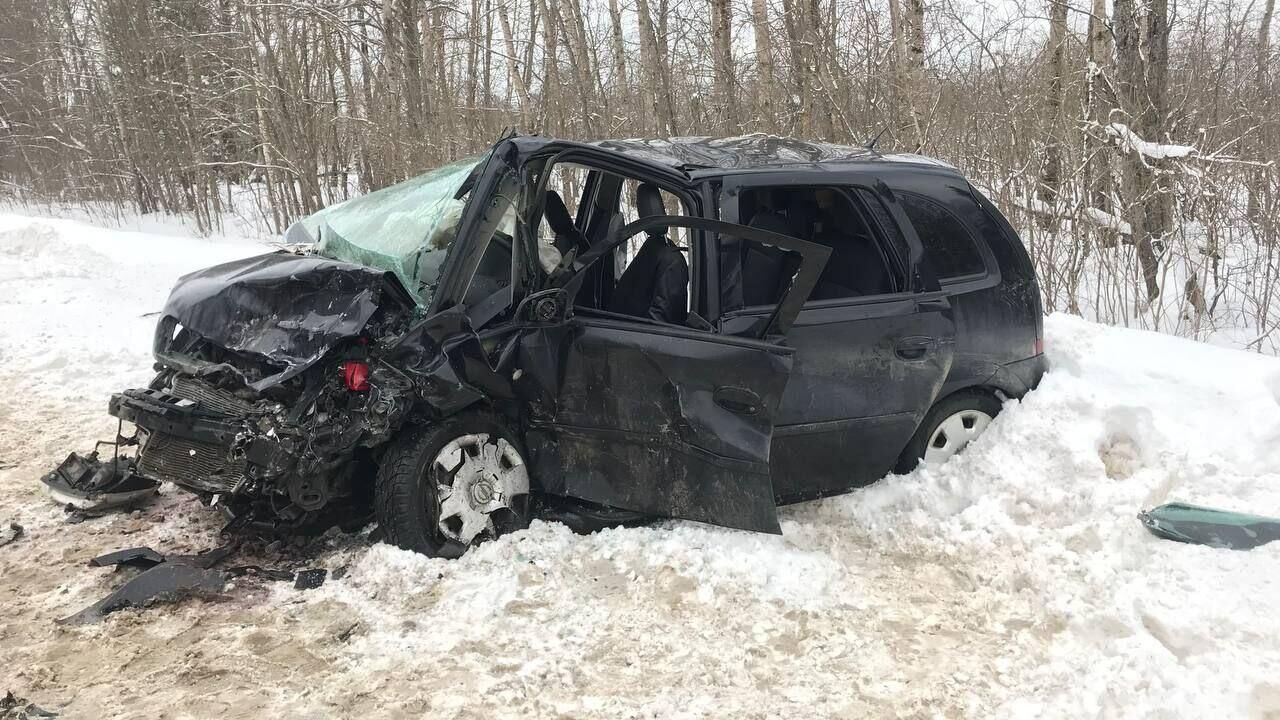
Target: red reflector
point(1039, 346)
point(355, 375)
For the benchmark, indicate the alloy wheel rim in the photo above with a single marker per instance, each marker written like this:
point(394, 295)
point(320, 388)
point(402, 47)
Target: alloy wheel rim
point(953, 433)
point(475, 477)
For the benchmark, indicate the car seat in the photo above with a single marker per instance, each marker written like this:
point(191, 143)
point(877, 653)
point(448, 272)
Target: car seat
point(656, 283)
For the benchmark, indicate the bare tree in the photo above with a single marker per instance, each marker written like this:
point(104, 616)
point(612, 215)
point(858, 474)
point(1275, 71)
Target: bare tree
point(1051, 174)
point(722, 50)
point(1143, 174)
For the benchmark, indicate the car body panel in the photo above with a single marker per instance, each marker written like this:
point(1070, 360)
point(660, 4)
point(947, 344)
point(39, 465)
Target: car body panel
point(676, 424)
point(998, 315)
point(854, 400)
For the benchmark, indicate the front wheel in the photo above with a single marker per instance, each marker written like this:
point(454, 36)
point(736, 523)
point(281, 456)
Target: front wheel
point(948, 428)
point(442, 489)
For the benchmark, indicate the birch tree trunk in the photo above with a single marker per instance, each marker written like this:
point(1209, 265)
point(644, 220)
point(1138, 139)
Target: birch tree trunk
point(622, 83)
point(513, 64)
point(651, 67)
point(1139, 177)
point(1099, 99)
point(765, 72)
point(907, 18)
point(1051, 174)
point(722, 54)
point(1266, 134)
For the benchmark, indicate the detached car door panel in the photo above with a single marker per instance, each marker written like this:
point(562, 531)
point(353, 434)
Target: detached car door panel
point(662, 419)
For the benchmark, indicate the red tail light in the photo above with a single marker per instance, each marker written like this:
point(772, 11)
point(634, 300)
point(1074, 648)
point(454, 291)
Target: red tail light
point(1039, 346)
point(355, 375)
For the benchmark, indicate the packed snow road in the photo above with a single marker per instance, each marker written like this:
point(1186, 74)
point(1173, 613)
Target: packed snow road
point(1013, 582)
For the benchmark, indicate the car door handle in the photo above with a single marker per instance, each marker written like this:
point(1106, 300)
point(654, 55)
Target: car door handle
point(914, 347)
point(933, 305)
point(737, 400)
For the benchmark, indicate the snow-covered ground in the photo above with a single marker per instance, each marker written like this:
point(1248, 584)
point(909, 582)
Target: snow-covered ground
point(1012, 582)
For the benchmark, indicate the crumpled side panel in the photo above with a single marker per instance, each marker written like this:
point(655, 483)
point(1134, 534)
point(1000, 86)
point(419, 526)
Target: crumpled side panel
point(449, 367)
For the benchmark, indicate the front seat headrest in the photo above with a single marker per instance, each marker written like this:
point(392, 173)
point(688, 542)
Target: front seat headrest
point(649, 201)
point(802, 213)
point(557, 214)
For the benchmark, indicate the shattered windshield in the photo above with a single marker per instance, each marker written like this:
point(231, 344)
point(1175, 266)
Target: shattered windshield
point(406, 228)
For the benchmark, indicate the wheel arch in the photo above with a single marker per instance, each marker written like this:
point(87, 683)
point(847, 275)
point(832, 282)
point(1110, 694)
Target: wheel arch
point(998, 383)
point(976, 388)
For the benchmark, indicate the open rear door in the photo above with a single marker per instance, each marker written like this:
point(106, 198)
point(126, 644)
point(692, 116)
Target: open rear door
point(662, 419)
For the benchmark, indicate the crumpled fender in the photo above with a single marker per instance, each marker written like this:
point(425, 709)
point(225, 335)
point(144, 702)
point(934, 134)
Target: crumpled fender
point(448, 363)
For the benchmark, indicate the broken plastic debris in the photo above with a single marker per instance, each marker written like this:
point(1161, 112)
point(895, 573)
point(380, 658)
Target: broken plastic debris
point(259, 571)
point(88, 484)
point(310, 579)
point(206, 558)
point(166, 582)
point(172, 578)
point(139, 557)
point(16, 708)
point(1208, 526)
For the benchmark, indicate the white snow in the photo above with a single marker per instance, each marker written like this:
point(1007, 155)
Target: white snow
point(1132, 142)
point(76, 310)
point(1012, 582)
point(1100, 218)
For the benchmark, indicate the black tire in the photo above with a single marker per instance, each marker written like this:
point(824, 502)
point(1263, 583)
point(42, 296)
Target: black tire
point(405, 496)
point(948, 406)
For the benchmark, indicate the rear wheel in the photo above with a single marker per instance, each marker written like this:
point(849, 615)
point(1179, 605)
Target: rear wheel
point(442, 489)
point(948, 428)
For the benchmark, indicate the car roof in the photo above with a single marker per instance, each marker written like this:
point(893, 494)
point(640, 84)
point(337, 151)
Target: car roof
point(707, 156)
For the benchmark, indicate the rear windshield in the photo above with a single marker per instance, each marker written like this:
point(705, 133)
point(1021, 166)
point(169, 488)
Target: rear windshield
point(406, 228)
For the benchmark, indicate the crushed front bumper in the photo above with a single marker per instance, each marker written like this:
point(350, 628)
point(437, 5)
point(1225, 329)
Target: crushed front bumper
point(198, 444)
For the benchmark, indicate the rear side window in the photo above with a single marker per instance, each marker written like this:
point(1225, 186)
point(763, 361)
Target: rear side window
point(950, 247)
point(888, 227)
point(860, 265)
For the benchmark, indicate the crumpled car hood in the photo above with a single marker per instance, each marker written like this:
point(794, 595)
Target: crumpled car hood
point(284, 308)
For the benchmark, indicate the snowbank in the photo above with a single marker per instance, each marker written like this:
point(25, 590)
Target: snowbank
point(77, 308)
point(1013, 582)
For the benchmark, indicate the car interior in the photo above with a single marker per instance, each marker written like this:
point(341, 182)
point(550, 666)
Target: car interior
point(649, 278)
point(861, 264)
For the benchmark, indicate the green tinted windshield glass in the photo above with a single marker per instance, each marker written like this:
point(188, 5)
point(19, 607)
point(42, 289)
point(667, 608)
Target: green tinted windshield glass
point(406, 228)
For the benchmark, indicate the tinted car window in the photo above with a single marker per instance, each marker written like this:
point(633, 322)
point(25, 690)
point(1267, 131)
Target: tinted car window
point(888, 228)
point(951, 249)
point(859, 264)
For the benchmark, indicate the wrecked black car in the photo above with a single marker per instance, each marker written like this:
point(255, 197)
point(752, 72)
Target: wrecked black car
point(706, 329)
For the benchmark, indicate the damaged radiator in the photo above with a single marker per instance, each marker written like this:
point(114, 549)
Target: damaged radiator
point(193, 464)
point(210, 398)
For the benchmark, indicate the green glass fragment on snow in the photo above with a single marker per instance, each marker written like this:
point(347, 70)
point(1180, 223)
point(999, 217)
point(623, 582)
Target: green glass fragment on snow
point(1207, 526)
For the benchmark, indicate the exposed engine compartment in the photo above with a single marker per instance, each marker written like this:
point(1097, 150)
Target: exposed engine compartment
point(273, 392)
point(281, 453)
